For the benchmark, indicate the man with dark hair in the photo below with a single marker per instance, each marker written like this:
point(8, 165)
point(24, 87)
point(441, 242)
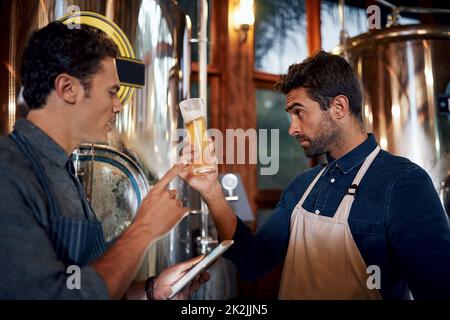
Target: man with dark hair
point(56, 49)
point(366, 225)
point(70, 84)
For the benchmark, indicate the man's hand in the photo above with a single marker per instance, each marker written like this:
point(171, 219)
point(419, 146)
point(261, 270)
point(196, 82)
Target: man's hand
point(208, 184)
point(160, 210)
point(210, 190)
point(169, 276)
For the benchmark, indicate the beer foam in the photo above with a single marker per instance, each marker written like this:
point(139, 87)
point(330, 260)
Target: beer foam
point(189, 116)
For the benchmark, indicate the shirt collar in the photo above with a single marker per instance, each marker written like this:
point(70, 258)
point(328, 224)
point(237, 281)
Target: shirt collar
point(43, 144)
point(352, 159)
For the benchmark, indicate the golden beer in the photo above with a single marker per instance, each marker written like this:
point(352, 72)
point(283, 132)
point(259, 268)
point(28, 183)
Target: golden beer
point(194, 119)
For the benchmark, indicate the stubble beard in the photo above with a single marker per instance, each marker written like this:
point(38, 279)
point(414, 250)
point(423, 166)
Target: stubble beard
point(329, 134)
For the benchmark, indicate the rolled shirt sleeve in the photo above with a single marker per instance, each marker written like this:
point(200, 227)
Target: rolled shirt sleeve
point(29, 267)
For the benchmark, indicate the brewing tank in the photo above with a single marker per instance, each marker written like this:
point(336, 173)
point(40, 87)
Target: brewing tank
point(404, 71)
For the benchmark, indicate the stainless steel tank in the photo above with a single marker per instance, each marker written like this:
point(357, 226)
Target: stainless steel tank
point(143, 141)
point(403, 70)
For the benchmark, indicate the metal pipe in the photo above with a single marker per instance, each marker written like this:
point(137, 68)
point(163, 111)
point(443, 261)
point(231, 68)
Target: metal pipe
point(342, 20)
point(413, 9)
point(387, 4)
point(204, 237)
point(343, 33)
point(422, 10)
point(203, 94)
point(187, 54)
point(203, 50)
point(397, 10)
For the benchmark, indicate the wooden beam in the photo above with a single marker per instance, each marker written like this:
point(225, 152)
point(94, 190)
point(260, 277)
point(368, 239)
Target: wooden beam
point(265, 80)
point(314, 38)
point(236, 108)
point(313, 25)
point(212, 70)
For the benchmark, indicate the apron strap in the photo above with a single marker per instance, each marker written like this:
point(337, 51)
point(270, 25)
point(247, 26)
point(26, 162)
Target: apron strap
point(362, 171)
point(345, 206)
point(311, 185)
point(25, 147)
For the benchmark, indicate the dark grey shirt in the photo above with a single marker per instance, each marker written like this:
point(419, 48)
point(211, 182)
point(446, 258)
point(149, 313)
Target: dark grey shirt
point(29, 267)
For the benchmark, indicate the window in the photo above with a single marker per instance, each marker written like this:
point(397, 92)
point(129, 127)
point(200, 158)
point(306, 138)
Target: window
point(292, 161)
point(280, 34)
point(280, 39)
point(406, 20)
point(355, 23)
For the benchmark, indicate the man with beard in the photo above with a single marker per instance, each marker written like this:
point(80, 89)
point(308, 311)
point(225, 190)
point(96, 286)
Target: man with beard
point(366, 225)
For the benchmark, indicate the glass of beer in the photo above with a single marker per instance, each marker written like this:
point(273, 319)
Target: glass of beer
point(194, 116)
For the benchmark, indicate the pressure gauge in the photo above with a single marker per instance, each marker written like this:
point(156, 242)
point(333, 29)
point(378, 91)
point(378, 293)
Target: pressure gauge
point(229, 183)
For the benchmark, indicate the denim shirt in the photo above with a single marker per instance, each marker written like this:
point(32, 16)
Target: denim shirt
point(29, 266)
point(397, 222)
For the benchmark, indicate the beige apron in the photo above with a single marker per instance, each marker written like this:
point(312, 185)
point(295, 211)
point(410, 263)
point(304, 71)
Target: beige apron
point(322, 261)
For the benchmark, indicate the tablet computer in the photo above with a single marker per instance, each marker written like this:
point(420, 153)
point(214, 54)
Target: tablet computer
point(199, 267)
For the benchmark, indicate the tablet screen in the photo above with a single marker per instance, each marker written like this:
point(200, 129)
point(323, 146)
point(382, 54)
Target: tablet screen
point(199, 267)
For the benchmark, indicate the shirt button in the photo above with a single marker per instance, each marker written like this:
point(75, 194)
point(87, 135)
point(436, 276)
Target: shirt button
point(332, 180)
point(317, 212)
